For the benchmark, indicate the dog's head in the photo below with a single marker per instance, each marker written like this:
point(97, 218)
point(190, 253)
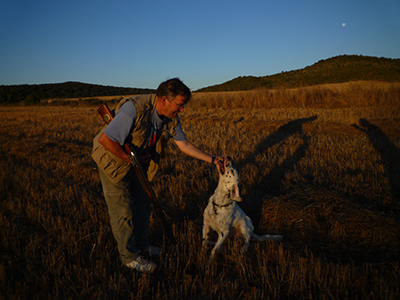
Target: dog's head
point(229, 177)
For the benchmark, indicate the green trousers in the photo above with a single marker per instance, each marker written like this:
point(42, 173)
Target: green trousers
point(129, 208)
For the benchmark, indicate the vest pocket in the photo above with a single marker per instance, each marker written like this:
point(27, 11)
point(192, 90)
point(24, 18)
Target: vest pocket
point(114, 167)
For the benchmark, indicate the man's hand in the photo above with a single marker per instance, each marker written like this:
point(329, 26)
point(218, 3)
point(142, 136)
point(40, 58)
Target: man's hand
point(113, 147)
point(216, 159)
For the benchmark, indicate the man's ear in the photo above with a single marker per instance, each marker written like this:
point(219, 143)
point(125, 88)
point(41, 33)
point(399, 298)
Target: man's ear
point(164, 99)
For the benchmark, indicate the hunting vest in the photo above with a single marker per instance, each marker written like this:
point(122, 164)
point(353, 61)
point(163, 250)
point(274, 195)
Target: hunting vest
point(116, 168)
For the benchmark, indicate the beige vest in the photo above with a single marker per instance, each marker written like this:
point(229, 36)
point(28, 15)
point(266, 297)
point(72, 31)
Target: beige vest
point(116, 168)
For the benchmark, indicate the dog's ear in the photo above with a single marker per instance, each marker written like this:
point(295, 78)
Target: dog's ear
point(236, 194)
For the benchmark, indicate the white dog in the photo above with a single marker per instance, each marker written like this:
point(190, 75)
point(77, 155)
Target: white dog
point(223, 215)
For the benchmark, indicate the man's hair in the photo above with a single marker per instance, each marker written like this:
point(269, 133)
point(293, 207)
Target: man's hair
point(172, 88)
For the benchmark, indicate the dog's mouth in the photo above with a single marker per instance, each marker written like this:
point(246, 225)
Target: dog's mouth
point(221, 166)
point(224, 163)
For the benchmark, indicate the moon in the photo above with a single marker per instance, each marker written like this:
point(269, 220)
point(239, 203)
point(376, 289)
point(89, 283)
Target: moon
point(343, 24)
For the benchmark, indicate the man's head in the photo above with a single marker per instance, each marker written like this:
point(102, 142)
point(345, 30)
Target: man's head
point(173, 96)
point(172, 88)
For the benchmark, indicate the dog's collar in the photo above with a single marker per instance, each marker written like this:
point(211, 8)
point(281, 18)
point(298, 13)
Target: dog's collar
point(215, 205)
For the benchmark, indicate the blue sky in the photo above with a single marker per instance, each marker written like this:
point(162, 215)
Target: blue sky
point(144, 42)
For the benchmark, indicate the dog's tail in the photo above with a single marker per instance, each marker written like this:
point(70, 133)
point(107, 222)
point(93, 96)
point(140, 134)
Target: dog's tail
point(268, 237)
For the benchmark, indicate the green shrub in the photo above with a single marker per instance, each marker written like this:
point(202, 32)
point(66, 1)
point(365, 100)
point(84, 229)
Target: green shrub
point(31, 100)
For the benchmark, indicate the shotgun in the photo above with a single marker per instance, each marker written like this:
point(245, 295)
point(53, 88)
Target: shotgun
point(108, 116)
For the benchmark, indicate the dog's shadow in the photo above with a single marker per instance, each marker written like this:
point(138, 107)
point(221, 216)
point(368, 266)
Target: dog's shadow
point(271, 183)
point(389, 153)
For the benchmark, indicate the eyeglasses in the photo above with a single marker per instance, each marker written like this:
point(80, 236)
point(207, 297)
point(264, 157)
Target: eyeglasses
point(180, 106)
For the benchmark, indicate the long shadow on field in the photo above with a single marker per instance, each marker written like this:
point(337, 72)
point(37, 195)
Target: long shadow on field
point(390, 155)
point(271, 183)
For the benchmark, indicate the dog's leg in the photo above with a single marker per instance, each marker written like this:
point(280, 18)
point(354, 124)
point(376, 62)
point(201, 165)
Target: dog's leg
point(221, 238)
point(246, 229)
point(206, 230)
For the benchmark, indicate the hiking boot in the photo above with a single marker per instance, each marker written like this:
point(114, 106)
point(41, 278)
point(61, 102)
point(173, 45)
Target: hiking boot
point(141, 264)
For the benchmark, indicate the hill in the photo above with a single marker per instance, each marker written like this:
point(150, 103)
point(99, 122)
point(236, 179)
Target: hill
point(337, 69)
point(18, 93)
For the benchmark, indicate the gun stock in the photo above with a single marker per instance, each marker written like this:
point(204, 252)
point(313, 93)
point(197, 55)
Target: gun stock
point(108, 116)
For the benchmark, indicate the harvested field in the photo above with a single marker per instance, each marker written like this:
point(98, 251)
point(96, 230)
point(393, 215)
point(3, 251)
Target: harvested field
point(321, 167)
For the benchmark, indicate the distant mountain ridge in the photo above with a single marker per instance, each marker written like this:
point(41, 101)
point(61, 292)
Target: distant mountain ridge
point(70, 89)
point(343, 68)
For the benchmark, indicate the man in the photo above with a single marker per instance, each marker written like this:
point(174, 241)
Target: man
point(146, 122)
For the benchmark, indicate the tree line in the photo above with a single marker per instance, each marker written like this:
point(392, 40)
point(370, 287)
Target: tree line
point(31, 94)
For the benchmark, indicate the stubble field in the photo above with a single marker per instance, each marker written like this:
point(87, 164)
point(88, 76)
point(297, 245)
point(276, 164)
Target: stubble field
point(320, 166)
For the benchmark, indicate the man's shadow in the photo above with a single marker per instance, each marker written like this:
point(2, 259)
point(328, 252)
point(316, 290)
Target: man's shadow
point(390, 155)
point(271, 183)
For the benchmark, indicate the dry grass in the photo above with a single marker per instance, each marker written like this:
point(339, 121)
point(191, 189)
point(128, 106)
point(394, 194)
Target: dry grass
point(327, 178)
point(352, 94)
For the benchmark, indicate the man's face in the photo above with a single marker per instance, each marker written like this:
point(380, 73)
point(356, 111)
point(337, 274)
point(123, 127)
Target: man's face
point(175, 106)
